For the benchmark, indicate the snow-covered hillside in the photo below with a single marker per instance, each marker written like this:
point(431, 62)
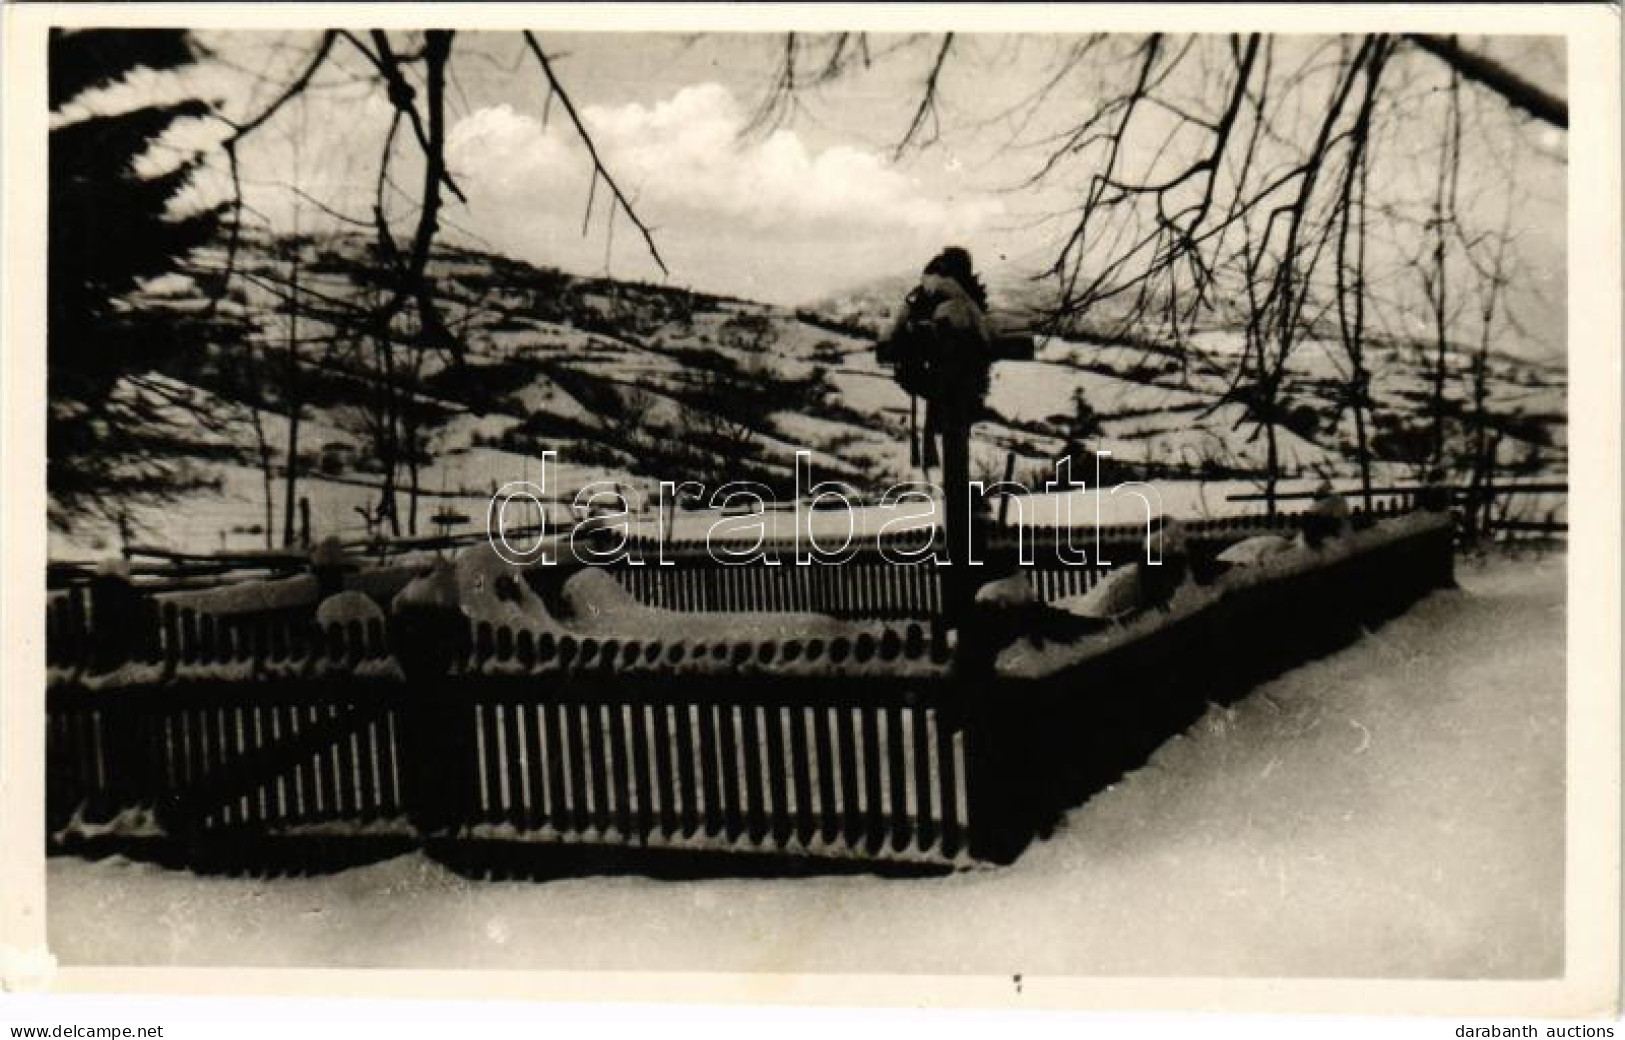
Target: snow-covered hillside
point(639, 383)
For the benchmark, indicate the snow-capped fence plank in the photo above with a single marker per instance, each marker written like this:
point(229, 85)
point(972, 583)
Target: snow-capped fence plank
point(897, 754)
point(825, 763)
point(575, 721)
point(801, 788)
point(733, 812)
point(530, 721)
point(951, 809)
point(873, 769)
point(753, 719)
point(685, 725)
point(621, 767)
point(551, 719)
point(774, 753)
point(846, 750)
point(642, 777)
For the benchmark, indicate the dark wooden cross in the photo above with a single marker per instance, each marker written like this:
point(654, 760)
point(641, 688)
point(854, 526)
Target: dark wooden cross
point(954, 422)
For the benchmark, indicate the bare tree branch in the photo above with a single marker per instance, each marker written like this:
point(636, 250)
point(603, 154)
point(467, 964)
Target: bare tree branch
point(1517, 91)
point(599, 169)
point(927, 108)
point(294, 88)
point(403, 96)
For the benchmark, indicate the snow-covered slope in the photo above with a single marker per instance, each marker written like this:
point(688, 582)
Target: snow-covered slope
point(640, 383)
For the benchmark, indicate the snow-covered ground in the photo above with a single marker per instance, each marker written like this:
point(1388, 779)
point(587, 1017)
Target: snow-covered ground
point(1395, 809)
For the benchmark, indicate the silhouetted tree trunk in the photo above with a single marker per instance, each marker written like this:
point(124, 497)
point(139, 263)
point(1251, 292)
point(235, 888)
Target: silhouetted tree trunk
point(290, 390)
point(1351, 278)
point(294, 405)
point(264, 445)
point(1444, 227)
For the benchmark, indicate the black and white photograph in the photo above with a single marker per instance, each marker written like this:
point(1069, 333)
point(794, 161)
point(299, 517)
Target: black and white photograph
point(952, 500)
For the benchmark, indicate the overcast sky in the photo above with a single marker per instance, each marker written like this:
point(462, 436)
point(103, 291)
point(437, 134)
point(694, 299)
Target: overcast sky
point(815, 203)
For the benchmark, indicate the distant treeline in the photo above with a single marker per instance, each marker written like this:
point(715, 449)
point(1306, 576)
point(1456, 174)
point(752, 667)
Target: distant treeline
point(844, 327)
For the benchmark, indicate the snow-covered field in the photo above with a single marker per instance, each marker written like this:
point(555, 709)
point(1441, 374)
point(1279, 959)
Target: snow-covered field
point(617, 400)
point(1393, 810)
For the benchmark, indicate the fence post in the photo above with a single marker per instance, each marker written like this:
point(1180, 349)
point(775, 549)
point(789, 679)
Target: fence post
point(116, 607)
point(995, 762)
point(328, 565)
point(428, 636)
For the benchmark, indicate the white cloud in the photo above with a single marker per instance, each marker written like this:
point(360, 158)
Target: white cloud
point(682, 156)
point(504, 150)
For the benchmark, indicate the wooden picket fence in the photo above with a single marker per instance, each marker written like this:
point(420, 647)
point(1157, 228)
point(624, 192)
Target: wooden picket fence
point(824, 764)
point(863, 747)
point(866, 586)
point(1487, 511)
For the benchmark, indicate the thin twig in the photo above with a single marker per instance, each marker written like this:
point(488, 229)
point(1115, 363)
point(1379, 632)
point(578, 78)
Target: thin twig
point(599, 168)
point(927, 108)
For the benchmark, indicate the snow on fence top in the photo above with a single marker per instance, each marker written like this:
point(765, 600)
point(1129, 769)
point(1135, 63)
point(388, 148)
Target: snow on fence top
point(866, 618)
point(855, 741)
